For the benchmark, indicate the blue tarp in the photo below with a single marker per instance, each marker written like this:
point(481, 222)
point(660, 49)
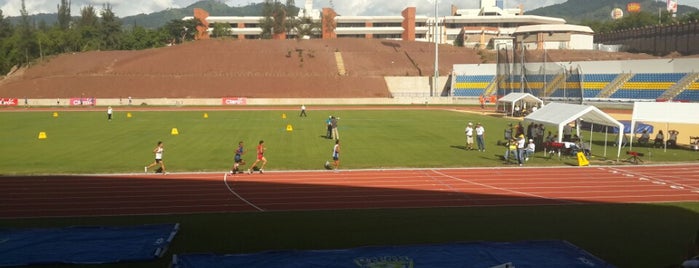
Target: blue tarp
point(538, 254)
point(640, 127)
point(84, 245)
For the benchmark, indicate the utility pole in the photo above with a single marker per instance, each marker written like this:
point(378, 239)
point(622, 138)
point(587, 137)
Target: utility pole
point(436, 52)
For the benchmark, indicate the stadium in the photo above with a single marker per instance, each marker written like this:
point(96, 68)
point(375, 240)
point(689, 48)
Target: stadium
point(407, 185)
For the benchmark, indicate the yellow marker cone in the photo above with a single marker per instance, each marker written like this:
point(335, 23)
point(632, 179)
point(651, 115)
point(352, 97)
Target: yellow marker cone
point(128, 115)
point(206, 115)
point(55, 114)
point(42, 135)
point(582, 160)
point(174, 131)
point(283, 116)
point(289, 128)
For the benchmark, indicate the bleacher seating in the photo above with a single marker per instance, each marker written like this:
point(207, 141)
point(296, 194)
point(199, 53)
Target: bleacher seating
point(471, 85)
point(647, 85)
point(594, 83)
point(641, 87)
point(690, 94)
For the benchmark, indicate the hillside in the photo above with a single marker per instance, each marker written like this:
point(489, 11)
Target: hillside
point(158, 19)
point(240, 68)
point(576, 11)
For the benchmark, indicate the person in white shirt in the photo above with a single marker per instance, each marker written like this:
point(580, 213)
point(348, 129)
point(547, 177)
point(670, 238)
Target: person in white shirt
point(531, 149)
point(480, 137)
point(109, 113)
point(521, 145)
point(469, 136)
point(158, 151)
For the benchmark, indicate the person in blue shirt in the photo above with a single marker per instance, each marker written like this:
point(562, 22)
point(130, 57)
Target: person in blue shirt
point(238, 158)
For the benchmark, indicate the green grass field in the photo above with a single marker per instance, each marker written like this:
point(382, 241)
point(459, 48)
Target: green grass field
point(626, 235)
point(85, 142)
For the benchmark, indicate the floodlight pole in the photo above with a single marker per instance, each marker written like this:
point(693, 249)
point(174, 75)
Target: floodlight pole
point(436, 52)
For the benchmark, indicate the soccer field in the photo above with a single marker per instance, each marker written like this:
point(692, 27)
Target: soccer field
point(86, 142)
point(79, 142)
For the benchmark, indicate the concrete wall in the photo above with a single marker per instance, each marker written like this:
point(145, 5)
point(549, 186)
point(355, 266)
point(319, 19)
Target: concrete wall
point(257, 102)
point(411, 86)
point(405, 90)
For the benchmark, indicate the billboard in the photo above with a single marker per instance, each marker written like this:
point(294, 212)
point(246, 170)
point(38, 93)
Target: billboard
point(235, 101)
point(633, 7)
point(82, 101)
point(617, 13)
point(672, 6)
point(9, 102)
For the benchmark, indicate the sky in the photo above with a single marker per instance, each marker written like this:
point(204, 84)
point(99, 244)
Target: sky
point(125, 8)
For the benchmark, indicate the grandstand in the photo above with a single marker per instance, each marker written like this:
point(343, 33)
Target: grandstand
point(610, 81)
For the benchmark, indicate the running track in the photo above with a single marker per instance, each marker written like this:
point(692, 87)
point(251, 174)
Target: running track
point(148, 194)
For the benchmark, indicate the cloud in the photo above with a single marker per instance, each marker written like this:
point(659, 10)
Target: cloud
point(121, 8)
point(124, 8)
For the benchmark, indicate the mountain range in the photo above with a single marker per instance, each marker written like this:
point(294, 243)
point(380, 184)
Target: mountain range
point(577, 11)
point(573, 11)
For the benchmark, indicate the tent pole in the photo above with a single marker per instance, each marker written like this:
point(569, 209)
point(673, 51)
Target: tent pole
point(606, 129)
point(667, 132)
point(591, 125)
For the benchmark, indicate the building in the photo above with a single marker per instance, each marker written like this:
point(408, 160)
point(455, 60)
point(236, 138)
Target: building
point(485, 27)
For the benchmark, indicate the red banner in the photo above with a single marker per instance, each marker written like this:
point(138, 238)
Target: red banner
point(9, 101)
point(82, 101)
point(235, 101)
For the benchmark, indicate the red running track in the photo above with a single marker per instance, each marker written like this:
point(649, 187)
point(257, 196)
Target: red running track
point(148, 194)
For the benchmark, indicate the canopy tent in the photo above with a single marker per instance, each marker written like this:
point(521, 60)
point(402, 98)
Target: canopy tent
point(511, 100)
point(640, 127)
point(665, 112)
point(561, 114)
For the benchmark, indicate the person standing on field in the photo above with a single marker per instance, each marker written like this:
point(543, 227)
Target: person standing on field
point(158, 151)
point(333, 122)
point(480, 137)
point(336, 155)
point(329, 127)
point(303, 111)
point(109, 113)
point(469, 136)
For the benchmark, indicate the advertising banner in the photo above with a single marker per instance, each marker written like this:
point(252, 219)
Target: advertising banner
point(82, 101)
point(235, 101)
point(9, 101)
point(633, 7)
point(672, 6)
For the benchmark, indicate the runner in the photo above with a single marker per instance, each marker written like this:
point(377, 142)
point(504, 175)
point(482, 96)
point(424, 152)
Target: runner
point(260, 157)
point(158, 151)
point(238, 158)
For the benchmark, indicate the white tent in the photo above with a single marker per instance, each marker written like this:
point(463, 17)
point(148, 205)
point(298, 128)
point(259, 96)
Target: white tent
point(510, 100)
point(560, 114)
point(665, 112)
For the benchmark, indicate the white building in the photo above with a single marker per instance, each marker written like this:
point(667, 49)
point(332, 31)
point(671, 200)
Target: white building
point(483, 27)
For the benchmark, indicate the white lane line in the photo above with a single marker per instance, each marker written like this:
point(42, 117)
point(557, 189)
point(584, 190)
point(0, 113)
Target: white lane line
point(225, 177)
point(503, 189)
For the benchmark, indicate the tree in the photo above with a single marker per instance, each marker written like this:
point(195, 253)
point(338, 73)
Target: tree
point(87, 28)
point(64, 18)
point(110, 28)
point(5, 44)
point(26, 43)
point(141, 38)
point(5, 27)
point(273, 19)
point(219, 30)
point(305, 27)
point(179, 31)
